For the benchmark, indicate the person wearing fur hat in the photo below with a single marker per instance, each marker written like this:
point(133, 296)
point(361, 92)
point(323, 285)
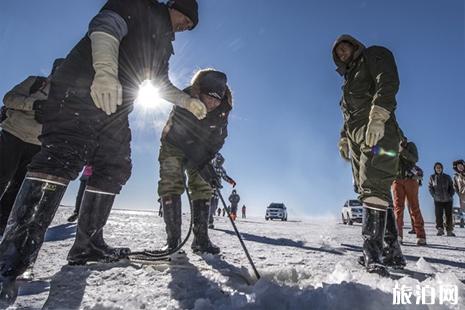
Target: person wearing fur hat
point(459, 181)
point(441, 189)
point(370, 140)
point(86, 117)
point(189, 144)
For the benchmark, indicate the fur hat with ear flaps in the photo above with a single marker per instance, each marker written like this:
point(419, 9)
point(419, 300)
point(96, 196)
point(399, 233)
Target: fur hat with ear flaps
point(213, 83)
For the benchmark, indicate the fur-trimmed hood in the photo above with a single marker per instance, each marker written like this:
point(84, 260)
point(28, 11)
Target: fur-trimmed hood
point(341, 66)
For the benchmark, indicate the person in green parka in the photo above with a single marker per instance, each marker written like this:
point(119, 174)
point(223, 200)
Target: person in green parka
point(370, 140)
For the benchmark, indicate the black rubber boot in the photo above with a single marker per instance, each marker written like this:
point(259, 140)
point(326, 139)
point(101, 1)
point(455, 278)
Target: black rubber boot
point(392, 252)
point(201, 241)
point(374, 223)
point(32, 213)
point(173, 220)
point(89, 245)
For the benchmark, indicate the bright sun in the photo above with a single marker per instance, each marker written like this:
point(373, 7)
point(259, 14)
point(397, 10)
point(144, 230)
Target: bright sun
point(148, 96)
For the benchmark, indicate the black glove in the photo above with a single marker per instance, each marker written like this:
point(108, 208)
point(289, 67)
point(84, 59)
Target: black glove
point(38, 110)
point(208, 173)
point(3, 115)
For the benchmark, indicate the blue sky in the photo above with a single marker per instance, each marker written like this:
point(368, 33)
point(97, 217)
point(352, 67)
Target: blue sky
point(285, 124)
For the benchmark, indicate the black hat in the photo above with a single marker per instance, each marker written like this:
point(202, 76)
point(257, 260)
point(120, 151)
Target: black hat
point(189, 8)
point(213, 83)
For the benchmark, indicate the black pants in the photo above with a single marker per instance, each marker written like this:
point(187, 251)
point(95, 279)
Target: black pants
point(75, 131)
point(80, 193)
point(15, 155)
point(441, 208)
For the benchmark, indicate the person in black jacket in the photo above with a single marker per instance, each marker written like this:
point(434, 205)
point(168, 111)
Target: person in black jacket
point(441, 189)
point(190, 144)
point(86, 117)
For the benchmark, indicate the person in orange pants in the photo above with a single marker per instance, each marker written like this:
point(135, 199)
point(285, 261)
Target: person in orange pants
point(406, 186)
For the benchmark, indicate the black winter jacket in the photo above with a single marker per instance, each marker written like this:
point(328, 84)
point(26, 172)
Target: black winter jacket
point(200, 140)
point(144, 52)
point(441, 187)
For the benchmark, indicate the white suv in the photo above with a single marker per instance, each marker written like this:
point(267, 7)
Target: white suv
point(352, 211)
point(276, 211)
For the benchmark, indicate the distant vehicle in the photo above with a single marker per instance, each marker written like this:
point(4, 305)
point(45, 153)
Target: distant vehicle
point(276, 211)
point(459, 217)
point(352, 211)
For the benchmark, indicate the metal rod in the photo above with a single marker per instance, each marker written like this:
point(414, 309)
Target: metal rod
point(238, 235)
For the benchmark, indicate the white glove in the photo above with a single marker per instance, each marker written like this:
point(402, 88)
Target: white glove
point(183, 100)
point(375, 128)
point(106, 90)
point(344, 148)
point(196, 107)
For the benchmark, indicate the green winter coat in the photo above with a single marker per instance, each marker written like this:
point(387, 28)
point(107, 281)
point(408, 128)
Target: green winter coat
point(370, 79)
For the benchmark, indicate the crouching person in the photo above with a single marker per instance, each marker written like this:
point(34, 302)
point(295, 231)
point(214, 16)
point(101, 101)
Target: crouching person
point(189, 144)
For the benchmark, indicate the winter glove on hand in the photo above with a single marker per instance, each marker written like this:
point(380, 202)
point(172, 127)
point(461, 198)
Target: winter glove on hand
point(38, 111)
point(208, 173)
point(344, 148)
point(183, 100)
point(375, 128)
point(106, 90)
point(196, 107)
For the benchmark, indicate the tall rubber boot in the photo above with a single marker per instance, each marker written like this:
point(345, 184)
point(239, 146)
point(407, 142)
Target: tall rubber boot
point(89, 245)
point(374, 224)
point(201, 241)
point(172, 217)
point(392, 252)
point(32, 213)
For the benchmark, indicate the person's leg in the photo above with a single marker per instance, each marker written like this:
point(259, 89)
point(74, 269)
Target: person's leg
point(66, 136)
point(398, 190)
point(462, 202)
point(11, 149)
point(77, 206)
point(201, 192)
point(9, 196)
point(449, 219)
point(111, 165)
point(6, 203)
point(438, 212)
point(213, 206)
point(82, 187)
point(412, 225)
point(377, 171)
point(170, 189)
point(412, 188)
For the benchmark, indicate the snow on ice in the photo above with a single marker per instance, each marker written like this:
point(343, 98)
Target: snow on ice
point(307, 264)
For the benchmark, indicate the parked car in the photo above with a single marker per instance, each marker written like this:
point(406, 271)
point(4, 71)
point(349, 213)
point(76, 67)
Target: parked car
point(459, 217)
point(276, 211)
point(352, 211)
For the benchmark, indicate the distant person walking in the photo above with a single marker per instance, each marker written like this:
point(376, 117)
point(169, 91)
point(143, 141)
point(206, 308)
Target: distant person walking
point(243, 212)
point(234, 199)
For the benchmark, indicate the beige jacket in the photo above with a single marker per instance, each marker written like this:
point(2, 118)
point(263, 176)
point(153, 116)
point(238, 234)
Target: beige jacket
point(20, 120)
